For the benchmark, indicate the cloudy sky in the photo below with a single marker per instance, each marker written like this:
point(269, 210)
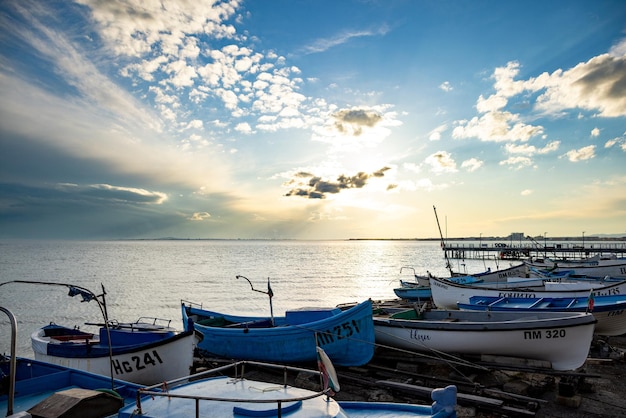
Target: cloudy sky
point(311, 119)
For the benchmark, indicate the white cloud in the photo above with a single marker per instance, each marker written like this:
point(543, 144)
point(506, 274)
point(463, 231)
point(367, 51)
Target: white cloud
point(244, 128)
point(598, 85)
point(530, 150)
point(472, 164)
point(412, 167)
point(195, 124)
point(441, 162)
point(321, 45)
point(435, 134)
point(199, 216)
point(581, 154)
point(517, 162)
point(496, 126)
point(158, 24)
point(595, 132)
point(526, 192)
point(619, 49)
point(446, 86)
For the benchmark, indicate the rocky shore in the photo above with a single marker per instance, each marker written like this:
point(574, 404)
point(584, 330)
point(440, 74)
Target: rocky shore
point(494, 387)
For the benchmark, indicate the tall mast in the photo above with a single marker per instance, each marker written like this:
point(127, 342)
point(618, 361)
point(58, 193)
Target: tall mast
point(443, 244)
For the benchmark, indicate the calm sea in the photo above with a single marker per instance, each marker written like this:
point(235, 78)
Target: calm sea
point(150, 278)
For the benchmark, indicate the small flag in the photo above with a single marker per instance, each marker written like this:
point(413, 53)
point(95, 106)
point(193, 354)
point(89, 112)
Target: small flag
point(590, 302)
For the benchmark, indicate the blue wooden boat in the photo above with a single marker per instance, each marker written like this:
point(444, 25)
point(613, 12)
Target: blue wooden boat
point(609, 311)
point(347, 336)
point(41, 386)
point(231, 394)
point(413, 293)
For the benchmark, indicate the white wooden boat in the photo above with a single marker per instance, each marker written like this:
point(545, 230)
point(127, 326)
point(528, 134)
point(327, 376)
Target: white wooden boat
point(596, 266)
point(609, 311)
point(502, 275)
point(561, 338)
point(446, 294)
point(139, 352)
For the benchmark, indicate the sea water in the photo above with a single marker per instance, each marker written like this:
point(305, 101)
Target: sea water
point(149, 278)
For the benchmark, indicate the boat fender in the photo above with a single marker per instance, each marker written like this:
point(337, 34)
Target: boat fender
point(444, 399)
point(329, 375)
point(110, 392)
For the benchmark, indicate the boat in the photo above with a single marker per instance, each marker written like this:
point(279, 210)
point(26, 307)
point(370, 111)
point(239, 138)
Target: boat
point(446, 294)
point(600, 265)
point(560, 339)
point(34, 388)
point(231, 394)
point(413, 293)
point(139, 352)
point(609, 311)
point(347, 336)
point(146, 351)
point(500, 275)
point(61, 391)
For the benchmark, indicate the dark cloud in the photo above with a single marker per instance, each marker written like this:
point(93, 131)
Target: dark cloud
point(608, 72)
point(73, 211)
point(357, 119)
point(317, 188)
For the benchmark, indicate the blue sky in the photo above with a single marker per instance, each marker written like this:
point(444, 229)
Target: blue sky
point(311, 119)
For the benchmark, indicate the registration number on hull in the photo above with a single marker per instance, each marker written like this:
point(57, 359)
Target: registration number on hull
point(137, 363)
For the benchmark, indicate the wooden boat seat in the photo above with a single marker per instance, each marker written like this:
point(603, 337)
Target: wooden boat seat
point(72, 337)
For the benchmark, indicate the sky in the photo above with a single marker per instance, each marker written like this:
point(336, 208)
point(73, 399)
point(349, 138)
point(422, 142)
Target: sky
point(300, 119)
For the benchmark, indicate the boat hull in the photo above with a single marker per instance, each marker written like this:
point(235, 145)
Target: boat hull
point(413, 293)
point(503, 275)
point(347, 337)
point(563, 339)
point(446, 294)
point(142, 363)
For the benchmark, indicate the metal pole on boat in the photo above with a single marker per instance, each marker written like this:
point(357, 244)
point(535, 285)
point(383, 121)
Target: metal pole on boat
point(268, 293)
point(271, 295)
point(12, 361)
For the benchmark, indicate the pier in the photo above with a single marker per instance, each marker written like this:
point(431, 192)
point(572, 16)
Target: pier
point(461, 249)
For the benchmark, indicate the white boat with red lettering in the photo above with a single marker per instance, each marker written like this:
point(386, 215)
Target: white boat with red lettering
point(446, 294)
point(560, 339)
